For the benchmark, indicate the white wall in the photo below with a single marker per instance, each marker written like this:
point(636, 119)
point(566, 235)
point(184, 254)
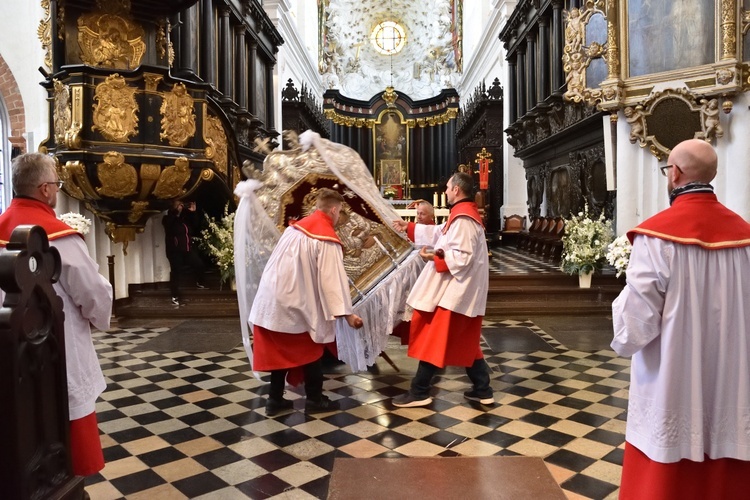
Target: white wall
point(642, 190)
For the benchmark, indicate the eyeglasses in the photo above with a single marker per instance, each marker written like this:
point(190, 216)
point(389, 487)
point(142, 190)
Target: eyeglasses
point(59, 184)
point(667, 167)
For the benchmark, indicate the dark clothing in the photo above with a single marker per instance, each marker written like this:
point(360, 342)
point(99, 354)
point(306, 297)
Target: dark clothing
point(178, 231)
point(479, 374)
point(313, 382)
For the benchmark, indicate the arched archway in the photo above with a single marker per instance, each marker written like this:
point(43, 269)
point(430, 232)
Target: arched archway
point(12, 128)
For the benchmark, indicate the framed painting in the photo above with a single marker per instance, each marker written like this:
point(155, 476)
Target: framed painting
point(390, 172)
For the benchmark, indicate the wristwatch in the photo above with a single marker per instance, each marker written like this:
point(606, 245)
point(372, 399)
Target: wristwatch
point(439, 253)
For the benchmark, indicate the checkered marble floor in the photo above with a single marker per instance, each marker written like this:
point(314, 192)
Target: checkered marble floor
point(508, 260)
point(178, 425)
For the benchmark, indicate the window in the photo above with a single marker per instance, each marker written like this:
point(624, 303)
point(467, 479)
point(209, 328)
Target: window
point(388, 38)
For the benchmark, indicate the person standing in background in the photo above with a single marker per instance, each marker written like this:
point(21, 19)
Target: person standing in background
point(425, 212)
point(179, 225)
point(684, 318)
point(86, 296)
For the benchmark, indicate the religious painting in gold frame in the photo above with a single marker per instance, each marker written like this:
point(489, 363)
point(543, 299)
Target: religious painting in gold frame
point(666, 36)
point(391, 148)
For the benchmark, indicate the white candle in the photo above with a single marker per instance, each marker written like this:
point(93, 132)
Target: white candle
point(434, 199)
point(442, 200)
point(380, 245)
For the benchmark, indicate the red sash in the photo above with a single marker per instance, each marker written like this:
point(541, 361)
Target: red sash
point(697, 219)
point(29, 211)
point(318, 225)
point(464, 209)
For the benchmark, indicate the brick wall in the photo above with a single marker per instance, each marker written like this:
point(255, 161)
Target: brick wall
point(11, 94)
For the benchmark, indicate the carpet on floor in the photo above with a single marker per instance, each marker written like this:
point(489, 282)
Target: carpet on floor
point(194, 336)
point(580, 333)
point(514, 339)
point(443, 477)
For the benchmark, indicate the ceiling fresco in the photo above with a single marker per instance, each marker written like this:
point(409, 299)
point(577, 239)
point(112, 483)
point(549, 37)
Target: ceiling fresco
point(430, 60)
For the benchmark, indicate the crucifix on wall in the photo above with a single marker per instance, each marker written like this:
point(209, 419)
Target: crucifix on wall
point(483, 159)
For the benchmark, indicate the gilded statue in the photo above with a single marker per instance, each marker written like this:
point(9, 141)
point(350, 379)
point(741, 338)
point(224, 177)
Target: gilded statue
point(173, 179)
point(110, 41)
point(115, 109)
point(118, 179)
point(216, 143)
point(63, 113)
point(177, 117)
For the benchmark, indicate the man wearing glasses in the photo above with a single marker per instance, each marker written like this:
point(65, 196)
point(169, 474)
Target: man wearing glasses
point(86, 296)
point(684, 319)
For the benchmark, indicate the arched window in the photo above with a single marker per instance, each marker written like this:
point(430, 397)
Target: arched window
point(388, 37)
point(6, 189)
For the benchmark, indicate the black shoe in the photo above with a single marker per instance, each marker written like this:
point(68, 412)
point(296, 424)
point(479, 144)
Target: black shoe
point(199, 286)
point(323, 405)
point(274, 407)
point(408, 400)
point(175, 301)
point(483, 399)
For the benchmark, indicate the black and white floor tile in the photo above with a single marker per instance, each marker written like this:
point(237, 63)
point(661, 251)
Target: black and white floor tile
point(179, 425)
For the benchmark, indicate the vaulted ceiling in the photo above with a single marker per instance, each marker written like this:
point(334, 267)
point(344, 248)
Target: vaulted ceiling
point(429, 62)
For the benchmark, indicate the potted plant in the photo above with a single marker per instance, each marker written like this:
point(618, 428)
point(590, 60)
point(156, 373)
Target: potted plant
point(218, 241)
point(585, 245)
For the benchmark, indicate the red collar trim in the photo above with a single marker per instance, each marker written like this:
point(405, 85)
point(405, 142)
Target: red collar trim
point(319, 226)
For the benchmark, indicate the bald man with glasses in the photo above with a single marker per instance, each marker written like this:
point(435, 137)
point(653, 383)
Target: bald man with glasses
point(86, 296)
point(684, 319)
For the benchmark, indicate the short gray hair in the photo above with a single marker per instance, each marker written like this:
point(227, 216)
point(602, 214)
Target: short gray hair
point(30, 170)
point(465, 183)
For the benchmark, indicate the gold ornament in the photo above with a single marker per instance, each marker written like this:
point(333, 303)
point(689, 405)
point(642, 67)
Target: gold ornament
point(115, 110)
point(173, 179)
point(178, 119)
point(118, 179)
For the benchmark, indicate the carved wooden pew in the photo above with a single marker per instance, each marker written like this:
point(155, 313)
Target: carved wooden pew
point(34, 427)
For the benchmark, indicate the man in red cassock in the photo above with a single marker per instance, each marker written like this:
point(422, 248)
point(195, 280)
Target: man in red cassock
point(302, 291)
point(684, 319)
point(449, 297)
point(86, 296)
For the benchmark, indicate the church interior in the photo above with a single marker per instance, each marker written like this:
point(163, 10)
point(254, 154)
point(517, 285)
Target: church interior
point(554, 107)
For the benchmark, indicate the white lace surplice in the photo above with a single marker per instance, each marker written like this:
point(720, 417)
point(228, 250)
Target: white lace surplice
point(685, 319)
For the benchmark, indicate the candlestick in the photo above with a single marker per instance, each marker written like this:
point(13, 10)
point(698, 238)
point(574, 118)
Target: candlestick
point(434, 199)
point(442, 200)
point(385, 251)
point(380, 245)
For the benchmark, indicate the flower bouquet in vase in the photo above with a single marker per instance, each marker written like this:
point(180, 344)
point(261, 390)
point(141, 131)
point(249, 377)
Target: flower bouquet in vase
point(218, 241)
point(585, 245)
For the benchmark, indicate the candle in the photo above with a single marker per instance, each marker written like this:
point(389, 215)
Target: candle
point(380, 245)
point(434, 199)
point(442, 200)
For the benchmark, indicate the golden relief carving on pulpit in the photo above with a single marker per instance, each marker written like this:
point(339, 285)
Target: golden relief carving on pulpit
point(171, 183)
point(216, 140)
point(177, 116)
point(118, 179)
point(136, 211)
point(110, 41)
point(63, 114)
point(115, 110)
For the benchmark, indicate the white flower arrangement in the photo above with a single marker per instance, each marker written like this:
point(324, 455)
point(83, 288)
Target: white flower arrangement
point(218, 241)
point(618, 254)
point(76, 221)
point(585, 242)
